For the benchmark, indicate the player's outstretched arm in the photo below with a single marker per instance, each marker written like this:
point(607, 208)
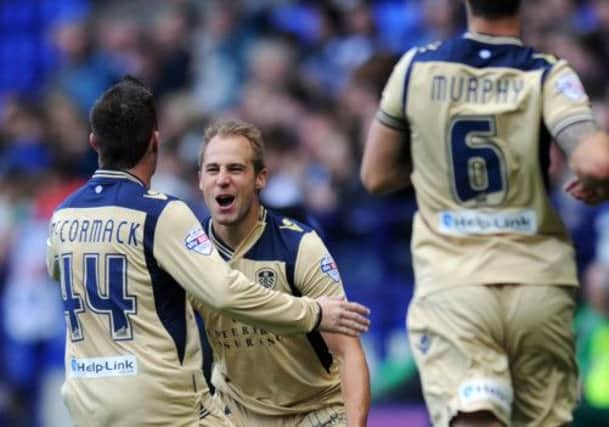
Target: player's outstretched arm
point(182, 249)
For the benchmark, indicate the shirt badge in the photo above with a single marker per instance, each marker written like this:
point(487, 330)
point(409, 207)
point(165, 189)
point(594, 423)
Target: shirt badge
point(196, 240)
point(329, 267)
point(570, 86)
point(266, 277)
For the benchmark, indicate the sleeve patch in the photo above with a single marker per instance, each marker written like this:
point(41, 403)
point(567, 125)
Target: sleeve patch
point(329, 267)
point(196, 240)
point(570, 86)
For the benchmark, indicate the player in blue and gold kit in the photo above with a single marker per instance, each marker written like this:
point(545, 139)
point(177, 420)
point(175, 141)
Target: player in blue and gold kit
point(468, 122)
point(126, 257)
point(268, 379)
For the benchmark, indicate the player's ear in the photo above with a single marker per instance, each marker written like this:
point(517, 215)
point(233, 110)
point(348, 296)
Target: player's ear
point(92, 141)
point(261, 179)
point(155, 142)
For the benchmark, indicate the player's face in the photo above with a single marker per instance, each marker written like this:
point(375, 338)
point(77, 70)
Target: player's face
point(228, 180)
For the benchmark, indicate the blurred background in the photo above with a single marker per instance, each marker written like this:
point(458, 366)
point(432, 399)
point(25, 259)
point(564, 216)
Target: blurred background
point(309, 74)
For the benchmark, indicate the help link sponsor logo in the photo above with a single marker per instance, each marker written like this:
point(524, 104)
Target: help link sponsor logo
point(99, 367)
point(486, 390)
point(469, 222)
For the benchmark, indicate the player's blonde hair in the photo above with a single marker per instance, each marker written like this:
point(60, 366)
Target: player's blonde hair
point(225, 128)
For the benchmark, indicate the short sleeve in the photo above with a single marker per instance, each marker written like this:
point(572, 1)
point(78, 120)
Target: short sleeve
point(391, 112)
point(564, 99)
point(316, 273)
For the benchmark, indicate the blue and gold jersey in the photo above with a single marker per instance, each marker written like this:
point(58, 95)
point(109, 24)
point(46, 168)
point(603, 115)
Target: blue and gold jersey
point(481, 112)
point(268, 373)
point(125, 258)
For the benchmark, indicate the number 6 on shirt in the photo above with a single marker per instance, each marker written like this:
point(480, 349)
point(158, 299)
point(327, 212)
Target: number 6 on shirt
point(478, 169)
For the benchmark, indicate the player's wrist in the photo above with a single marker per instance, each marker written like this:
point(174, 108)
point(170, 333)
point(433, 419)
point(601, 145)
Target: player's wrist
point(320, 314)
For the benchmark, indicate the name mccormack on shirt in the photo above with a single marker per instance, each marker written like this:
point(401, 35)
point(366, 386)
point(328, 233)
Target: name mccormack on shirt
point(96, 231)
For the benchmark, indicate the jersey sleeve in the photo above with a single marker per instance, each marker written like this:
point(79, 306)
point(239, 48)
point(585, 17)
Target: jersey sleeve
point(183, 250)
point(564, 99)
point(391, 112)
point(315, 272)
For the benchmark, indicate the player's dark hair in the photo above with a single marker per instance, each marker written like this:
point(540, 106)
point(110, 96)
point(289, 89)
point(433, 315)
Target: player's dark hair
point(494, 9)
point(123, 120)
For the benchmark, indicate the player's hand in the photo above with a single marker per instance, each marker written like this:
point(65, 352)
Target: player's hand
point(590, 158)
point(588, 194)
point(343, 317)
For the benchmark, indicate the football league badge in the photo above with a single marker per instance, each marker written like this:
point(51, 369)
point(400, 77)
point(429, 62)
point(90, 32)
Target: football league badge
point(329, 267)
point(570, 86)
point(196, 240)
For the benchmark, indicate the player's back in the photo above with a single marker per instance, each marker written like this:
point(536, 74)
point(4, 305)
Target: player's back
point(133, 353)
point(481, 110)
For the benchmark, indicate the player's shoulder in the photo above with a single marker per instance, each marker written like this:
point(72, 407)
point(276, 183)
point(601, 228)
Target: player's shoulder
point(281, 238)
point(416, 52)
point(109, 192)
point(478, 51)
point(285, 226)
point(72, 199)
point(431, 47)
point(148, 201)
point(433, 50)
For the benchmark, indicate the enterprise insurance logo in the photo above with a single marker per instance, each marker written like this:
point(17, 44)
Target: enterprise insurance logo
point(98, 367)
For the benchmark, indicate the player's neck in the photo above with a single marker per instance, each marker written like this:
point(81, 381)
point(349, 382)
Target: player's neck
point(234, 234)
point(141, 172)
point(504, 27)
point(146, 167)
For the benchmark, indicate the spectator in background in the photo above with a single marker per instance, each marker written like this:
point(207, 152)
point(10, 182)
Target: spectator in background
point(170, 30)
point(25, 147)
point(27, 56)
point(441, 19)
point(84, 72)
point(220, 47)
point(34, 344)
point(268, 98)
point(284, 187)
point(67, 129)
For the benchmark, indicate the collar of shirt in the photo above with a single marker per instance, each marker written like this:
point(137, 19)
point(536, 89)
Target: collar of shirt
point(492, 39)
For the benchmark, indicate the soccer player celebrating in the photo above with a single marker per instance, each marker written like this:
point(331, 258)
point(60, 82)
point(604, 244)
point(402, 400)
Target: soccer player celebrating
point(266, 379)
point(125, 257)
point(468, 122)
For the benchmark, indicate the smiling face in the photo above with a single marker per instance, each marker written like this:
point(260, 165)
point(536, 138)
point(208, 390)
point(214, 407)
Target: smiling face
point(229, 181)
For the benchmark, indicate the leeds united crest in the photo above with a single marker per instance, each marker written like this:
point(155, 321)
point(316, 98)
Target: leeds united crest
point(266, 277)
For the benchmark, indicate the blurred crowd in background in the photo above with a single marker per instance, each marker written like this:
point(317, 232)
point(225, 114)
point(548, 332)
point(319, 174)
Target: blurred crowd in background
point(309, 74)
